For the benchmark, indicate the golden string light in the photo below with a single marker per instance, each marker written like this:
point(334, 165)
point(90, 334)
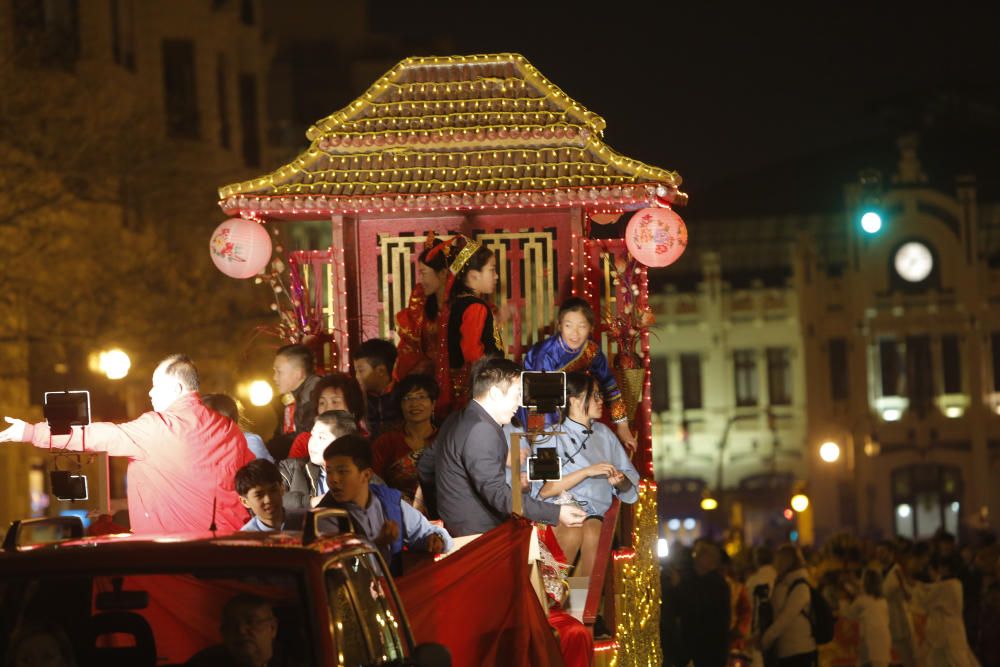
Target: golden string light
point(444, 136)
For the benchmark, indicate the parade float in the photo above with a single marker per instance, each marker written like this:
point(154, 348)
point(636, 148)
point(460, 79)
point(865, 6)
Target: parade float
point(487, 147)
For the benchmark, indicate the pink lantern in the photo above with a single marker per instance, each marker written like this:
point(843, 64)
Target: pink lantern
point(240, 248)
point(656, 236)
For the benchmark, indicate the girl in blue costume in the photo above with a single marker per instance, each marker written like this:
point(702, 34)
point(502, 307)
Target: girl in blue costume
point(572, 349)
point(595, 469)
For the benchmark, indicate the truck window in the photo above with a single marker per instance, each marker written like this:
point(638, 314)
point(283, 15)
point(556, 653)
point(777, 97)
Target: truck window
point(350, 637)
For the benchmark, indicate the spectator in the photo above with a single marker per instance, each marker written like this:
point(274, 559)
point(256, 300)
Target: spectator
point(39, 646)
point(760, 586)
point(227, 406)
point(791, 633)
point(380, 512)
point(595, 469)
point(305, 478)
point(941, 599)
point(704, 609)
point(373, 363)
point(336, 391)
point(249, 628)
point(472, 492)
point(396, 452)
point(295, 378)
point(901, 629)
point(260, 488)
point(183, 457)
point(870, 609)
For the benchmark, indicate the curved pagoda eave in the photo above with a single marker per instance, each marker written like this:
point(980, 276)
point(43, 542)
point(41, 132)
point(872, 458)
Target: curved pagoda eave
point(456, 133)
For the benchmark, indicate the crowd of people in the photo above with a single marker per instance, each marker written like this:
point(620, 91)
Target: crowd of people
point(924, 604)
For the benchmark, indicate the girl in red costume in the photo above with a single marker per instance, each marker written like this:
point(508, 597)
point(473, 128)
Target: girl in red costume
point(472, 330)
point(419, 324)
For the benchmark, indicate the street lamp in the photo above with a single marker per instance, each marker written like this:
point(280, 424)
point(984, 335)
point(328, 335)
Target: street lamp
point(800, 502)
point(260, 393)
point(114, 363)
point(829, 451)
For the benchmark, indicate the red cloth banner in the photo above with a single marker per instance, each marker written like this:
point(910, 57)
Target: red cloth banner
point(480, 604)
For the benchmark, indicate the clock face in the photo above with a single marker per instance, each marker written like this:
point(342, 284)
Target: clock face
point(914, 261)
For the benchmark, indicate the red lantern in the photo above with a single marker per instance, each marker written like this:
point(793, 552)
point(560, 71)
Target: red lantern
point(240, 248)
point(656, 236)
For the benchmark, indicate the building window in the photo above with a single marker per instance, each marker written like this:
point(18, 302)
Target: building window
point(659, 384)
point(46, 33)
point(123, 33)
point(919, 372)
point(745, 375)
point(995, 340)
point(222, 93)
point(248, 120)
point(247, 12)
point(179, 88)
point(951, 364)
point(838, 369)
point(779, 376)
point(691, 381)
point(888, 353)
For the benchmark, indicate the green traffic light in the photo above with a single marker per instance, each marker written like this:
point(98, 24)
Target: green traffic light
point(871, 222)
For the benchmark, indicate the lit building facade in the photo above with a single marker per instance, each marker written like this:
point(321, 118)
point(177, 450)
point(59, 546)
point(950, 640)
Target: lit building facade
point(781, 334)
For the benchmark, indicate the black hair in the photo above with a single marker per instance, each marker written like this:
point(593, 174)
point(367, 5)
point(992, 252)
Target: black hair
point(577, 305)
point(578, 385)
point(181, 368)
point(349, 388)
point(300, 354)
point(243, 601)
point(378, 352)
point(438, 262)
point(414, 382)
point(478, 260)
point(258, 472)
point(357, 447)
point(763, 555)
point(492, 371)
point(340, 422)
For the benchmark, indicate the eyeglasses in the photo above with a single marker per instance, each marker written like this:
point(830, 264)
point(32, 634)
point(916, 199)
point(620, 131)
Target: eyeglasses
point(415, 397)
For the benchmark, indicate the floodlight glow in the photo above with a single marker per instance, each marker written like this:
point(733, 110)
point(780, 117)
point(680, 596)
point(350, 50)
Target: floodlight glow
point(829, 451)
point(892, 414)
point(953, 412)
point(114, 364)
point(903, 511)
point(662, 548)
point(709, 503)
point(260, 393)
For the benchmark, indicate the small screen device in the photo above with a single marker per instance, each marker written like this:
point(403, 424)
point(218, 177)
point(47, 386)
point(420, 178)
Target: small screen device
point(68, 486)
point(64, 409)
point(545, 465)
point(543, 391)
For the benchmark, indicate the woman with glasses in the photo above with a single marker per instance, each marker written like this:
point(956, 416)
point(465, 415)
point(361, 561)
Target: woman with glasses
point(395, 453)
point(595, 469)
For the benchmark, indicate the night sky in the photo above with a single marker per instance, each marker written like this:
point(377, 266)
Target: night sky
point(750, 96)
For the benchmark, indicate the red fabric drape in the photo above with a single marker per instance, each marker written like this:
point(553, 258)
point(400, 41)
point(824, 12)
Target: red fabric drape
point(480, 603)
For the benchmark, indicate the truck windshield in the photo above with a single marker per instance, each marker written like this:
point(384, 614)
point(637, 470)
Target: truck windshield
point(150, 618)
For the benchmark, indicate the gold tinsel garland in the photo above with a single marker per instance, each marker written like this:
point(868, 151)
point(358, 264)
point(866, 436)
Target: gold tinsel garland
point(637, 588)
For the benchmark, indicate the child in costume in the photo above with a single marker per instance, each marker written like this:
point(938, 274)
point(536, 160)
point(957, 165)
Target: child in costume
point(419, 324)
point(572, 349)
point(472, 331)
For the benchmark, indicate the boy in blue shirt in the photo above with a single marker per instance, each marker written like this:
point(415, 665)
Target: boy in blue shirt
point(260, 488)
point(377, 510)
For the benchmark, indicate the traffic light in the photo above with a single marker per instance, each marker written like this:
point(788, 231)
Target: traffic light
point(870, 216)
point(871, 221)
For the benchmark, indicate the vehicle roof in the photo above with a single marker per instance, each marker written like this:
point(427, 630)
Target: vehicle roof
point(146, 553)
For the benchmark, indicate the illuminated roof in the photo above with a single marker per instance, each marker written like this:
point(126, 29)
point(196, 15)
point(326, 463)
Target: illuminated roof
point(462, 132)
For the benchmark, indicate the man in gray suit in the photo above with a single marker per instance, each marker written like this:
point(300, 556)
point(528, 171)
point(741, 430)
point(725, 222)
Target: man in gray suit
point(471, 457)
